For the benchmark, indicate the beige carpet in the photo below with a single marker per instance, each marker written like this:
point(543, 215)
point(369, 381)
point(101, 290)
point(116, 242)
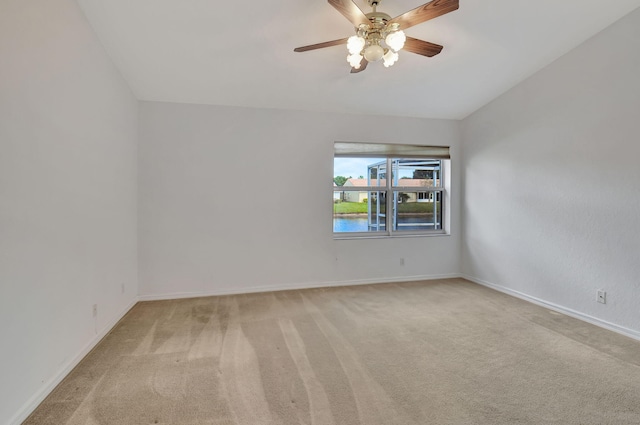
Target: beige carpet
point(438, 352)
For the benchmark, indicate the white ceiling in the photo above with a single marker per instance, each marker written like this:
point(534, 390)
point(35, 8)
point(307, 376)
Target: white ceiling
point(241, 52)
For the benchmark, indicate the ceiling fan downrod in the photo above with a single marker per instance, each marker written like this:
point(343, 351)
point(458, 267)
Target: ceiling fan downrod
point(377, 19)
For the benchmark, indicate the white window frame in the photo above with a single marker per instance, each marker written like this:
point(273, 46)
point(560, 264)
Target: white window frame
point(389, 189)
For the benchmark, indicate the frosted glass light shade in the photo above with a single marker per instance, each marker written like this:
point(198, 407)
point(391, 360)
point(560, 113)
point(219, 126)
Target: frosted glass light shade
point(355, 44)
point(354, 61)
point(396, 40)
point(373, 53)
point(390, 58)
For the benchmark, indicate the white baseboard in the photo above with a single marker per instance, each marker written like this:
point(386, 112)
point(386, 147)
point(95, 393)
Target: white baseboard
point(291, 286)
point(50, 385)
point(631, 333)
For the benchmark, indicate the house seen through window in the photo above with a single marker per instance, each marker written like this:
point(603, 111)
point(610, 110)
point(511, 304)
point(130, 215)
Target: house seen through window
point(399, 192)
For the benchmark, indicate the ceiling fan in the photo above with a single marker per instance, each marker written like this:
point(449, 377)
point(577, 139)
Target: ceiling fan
point(374, 30)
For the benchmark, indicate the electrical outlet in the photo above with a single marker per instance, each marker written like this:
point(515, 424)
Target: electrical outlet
point(402, 261)
point(602, 296)
point(95, 310)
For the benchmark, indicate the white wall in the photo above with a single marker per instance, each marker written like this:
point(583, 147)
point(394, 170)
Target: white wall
point(552, 182)
point(68, 132)
point(220, 207)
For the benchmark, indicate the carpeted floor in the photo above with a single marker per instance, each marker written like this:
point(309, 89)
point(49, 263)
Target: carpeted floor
point(437, 352)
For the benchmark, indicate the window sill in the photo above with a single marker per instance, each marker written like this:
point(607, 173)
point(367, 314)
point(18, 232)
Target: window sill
point(343, 237)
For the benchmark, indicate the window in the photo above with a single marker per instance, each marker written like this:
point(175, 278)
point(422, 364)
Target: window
point(388, 190)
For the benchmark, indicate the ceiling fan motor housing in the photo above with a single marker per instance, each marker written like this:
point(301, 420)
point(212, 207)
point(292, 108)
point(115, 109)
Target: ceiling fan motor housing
point(378, 18)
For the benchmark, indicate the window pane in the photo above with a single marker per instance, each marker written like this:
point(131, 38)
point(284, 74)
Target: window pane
point(417, 211)
point(417, 172)
point(377, 172)
point(355, 211)
point(351, 172)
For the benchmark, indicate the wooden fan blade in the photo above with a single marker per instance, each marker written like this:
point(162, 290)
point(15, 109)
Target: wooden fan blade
point(420, 47)
point(350, 11)
point(321, 45)
point(363, 66)
point(424, 13)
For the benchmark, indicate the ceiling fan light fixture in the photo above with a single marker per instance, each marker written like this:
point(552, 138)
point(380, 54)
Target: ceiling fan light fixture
point(355, 44)
point(373, 52)
point(379, 36)
point(395, 40)
point(390, 58)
